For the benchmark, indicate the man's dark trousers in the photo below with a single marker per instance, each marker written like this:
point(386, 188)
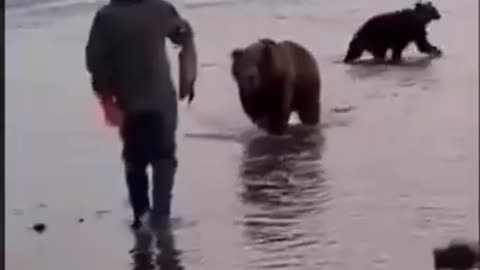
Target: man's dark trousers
point(149, 139)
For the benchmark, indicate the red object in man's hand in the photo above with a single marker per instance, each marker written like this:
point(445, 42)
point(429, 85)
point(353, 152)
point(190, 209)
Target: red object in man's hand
point(112, 114)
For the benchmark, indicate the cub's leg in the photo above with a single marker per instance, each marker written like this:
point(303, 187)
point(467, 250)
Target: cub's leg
point(397, 53)
point(424, 46)
point(379, 53)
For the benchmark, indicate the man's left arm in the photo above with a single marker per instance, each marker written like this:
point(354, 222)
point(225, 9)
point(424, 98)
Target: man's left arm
point(97, 58)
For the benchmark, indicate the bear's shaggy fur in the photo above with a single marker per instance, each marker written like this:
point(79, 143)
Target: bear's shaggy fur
point(394, 30)
point(275, 79)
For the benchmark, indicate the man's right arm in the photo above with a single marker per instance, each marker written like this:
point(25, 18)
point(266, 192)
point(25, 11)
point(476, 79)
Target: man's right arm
point(181, 34)
point(180, 31)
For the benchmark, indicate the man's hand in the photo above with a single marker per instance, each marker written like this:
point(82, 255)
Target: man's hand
point(182, 35)
point(187, 59)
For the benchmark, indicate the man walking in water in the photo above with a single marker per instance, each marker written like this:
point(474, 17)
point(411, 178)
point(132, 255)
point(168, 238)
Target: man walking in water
point(127, 60)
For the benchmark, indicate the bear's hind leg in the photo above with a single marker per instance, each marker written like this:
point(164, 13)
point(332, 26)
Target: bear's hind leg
point(397, 53)
point(379, 54)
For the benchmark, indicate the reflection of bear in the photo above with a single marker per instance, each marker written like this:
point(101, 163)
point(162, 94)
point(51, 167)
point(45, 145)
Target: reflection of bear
point(395, 30)
point(276, 173)
point(274, 79)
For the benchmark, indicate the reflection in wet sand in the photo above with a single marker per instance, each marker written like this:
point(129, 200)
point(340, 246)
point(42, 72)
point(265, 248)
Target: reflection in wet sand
point(163, 255)
point(416, 61)
point(284, 190)
point(370, 68)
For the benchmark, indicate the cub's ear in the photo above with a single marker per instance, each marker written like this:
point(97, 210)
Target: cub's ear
point(418, 4)
point(236, 53)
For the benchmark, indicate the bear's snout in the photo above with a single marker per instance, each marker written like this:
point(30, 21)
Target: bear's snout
point(248, 81)
point(252, 81)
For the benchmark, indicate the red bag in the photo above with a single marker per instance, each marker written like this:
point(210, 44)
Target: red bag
point(112, 114)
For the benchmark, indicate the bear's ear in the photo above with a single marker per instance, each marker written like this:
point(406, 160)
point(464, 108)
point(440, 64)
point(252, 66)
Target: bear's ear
point(267, 49)
point(268, 45)
point(270, 55)
point(418, 4)
point(267, 41)
point(236, 53)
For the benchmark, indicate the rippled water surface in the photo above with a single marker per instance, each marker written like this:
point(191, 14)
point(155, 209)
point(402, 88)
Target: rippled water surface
point(391, 173)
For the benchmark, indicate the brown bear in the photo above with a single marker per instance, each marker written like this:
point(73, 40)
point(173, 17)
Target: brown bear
point(275, 79)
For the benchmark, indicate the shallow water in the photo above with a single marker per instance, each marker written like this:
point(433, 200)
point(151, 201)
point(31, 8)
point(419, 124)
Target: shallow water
point(376, 187)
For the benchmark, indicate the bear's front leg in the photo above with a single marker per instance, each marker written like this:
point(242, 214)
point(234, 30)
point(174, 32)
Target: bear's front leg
point(379, 54)
point(263, 121)
point(277, 125)
point(280, 109)
point(424, 46)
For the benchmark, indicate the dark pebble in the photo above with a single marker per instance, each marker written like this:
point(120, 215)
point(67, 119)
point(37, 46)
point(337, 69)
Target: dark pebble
point(39, 227)
point(81, 220)
point(42, 205)
point(18, 212)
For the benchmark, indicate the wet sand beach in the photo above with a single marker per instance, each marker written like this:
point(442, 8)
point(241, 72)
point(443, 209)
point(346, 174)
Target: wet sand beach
point(378, 187)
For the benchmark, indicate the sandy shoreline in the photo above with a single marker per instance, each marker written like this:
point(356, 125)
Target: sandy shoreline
point(406, 157)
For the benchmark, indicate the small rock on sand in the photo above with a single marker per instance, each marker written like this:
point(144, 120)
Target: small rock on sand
point(39, 227)
point(42, 205)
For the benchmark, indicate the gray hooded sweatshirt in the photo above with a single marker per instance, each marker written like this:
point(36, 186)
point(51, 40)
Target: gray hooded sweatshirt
point(126, 54)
